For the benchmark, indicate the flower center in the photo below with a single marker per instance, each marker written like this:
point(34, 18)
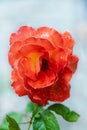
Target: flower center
point(44, 64)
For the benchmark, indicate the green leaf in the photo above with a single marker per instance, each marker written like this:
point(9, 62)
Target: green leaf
point(4, 125)
point(65, 112)
point(3, 128)
point(34, 108)
point(37, 110)
point(16, 116)
point(38, 124)
point(12, 123)
point(30, 107)
point(72, 116)
point(46, 121)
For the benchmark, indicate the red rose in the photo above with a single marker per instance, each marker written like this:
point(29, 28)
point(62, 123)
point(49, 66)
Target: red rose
point(42, 63)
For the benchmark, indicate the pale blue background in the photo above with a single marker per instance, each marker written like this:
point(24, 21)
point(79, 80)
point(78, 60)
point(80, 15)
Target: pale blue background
point(63, 15)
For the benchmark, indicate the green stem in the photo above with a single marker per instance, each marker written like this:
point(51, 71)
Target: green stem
point(30, 122)
point(24, 123)
point(27, 122)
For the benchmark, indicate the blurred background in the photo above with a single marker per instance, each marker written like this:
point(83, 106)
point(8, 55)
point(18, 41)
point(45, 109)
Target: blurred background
point(63, 15)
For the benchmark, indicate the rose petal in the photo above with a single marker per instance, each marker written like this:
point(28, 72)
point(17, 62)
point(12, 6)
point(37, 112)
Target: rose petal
point(65, 77)
point(27, 49)
point(68, 40)
point(23, 33)
point(60, 57)
point(39, 96)
point(51, 34)
point(58, 94)
point(40, 42)
point(53, 66)
point(18, 83)
point(12, 54)
point(45, 79)
point(72, 62)
point(31, 66)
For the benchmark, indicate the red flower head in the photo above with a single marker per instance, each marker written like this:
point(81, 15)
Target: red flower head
point(42, 63)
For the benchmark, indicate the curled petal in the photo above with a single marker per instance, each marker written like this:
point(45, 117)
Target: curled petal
point(23, 33)
point(26, 50)
point(60, 57)
point(68, 40)
point(18, 83)
point(72, 62)
point(65, 77)
point(12, 54)
point(31, 66)
point(39, 96)
point(40, 42)
point(45, 79)
point(38, 100)
point(58, 94)
point(53, 66)
point(51, 34)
